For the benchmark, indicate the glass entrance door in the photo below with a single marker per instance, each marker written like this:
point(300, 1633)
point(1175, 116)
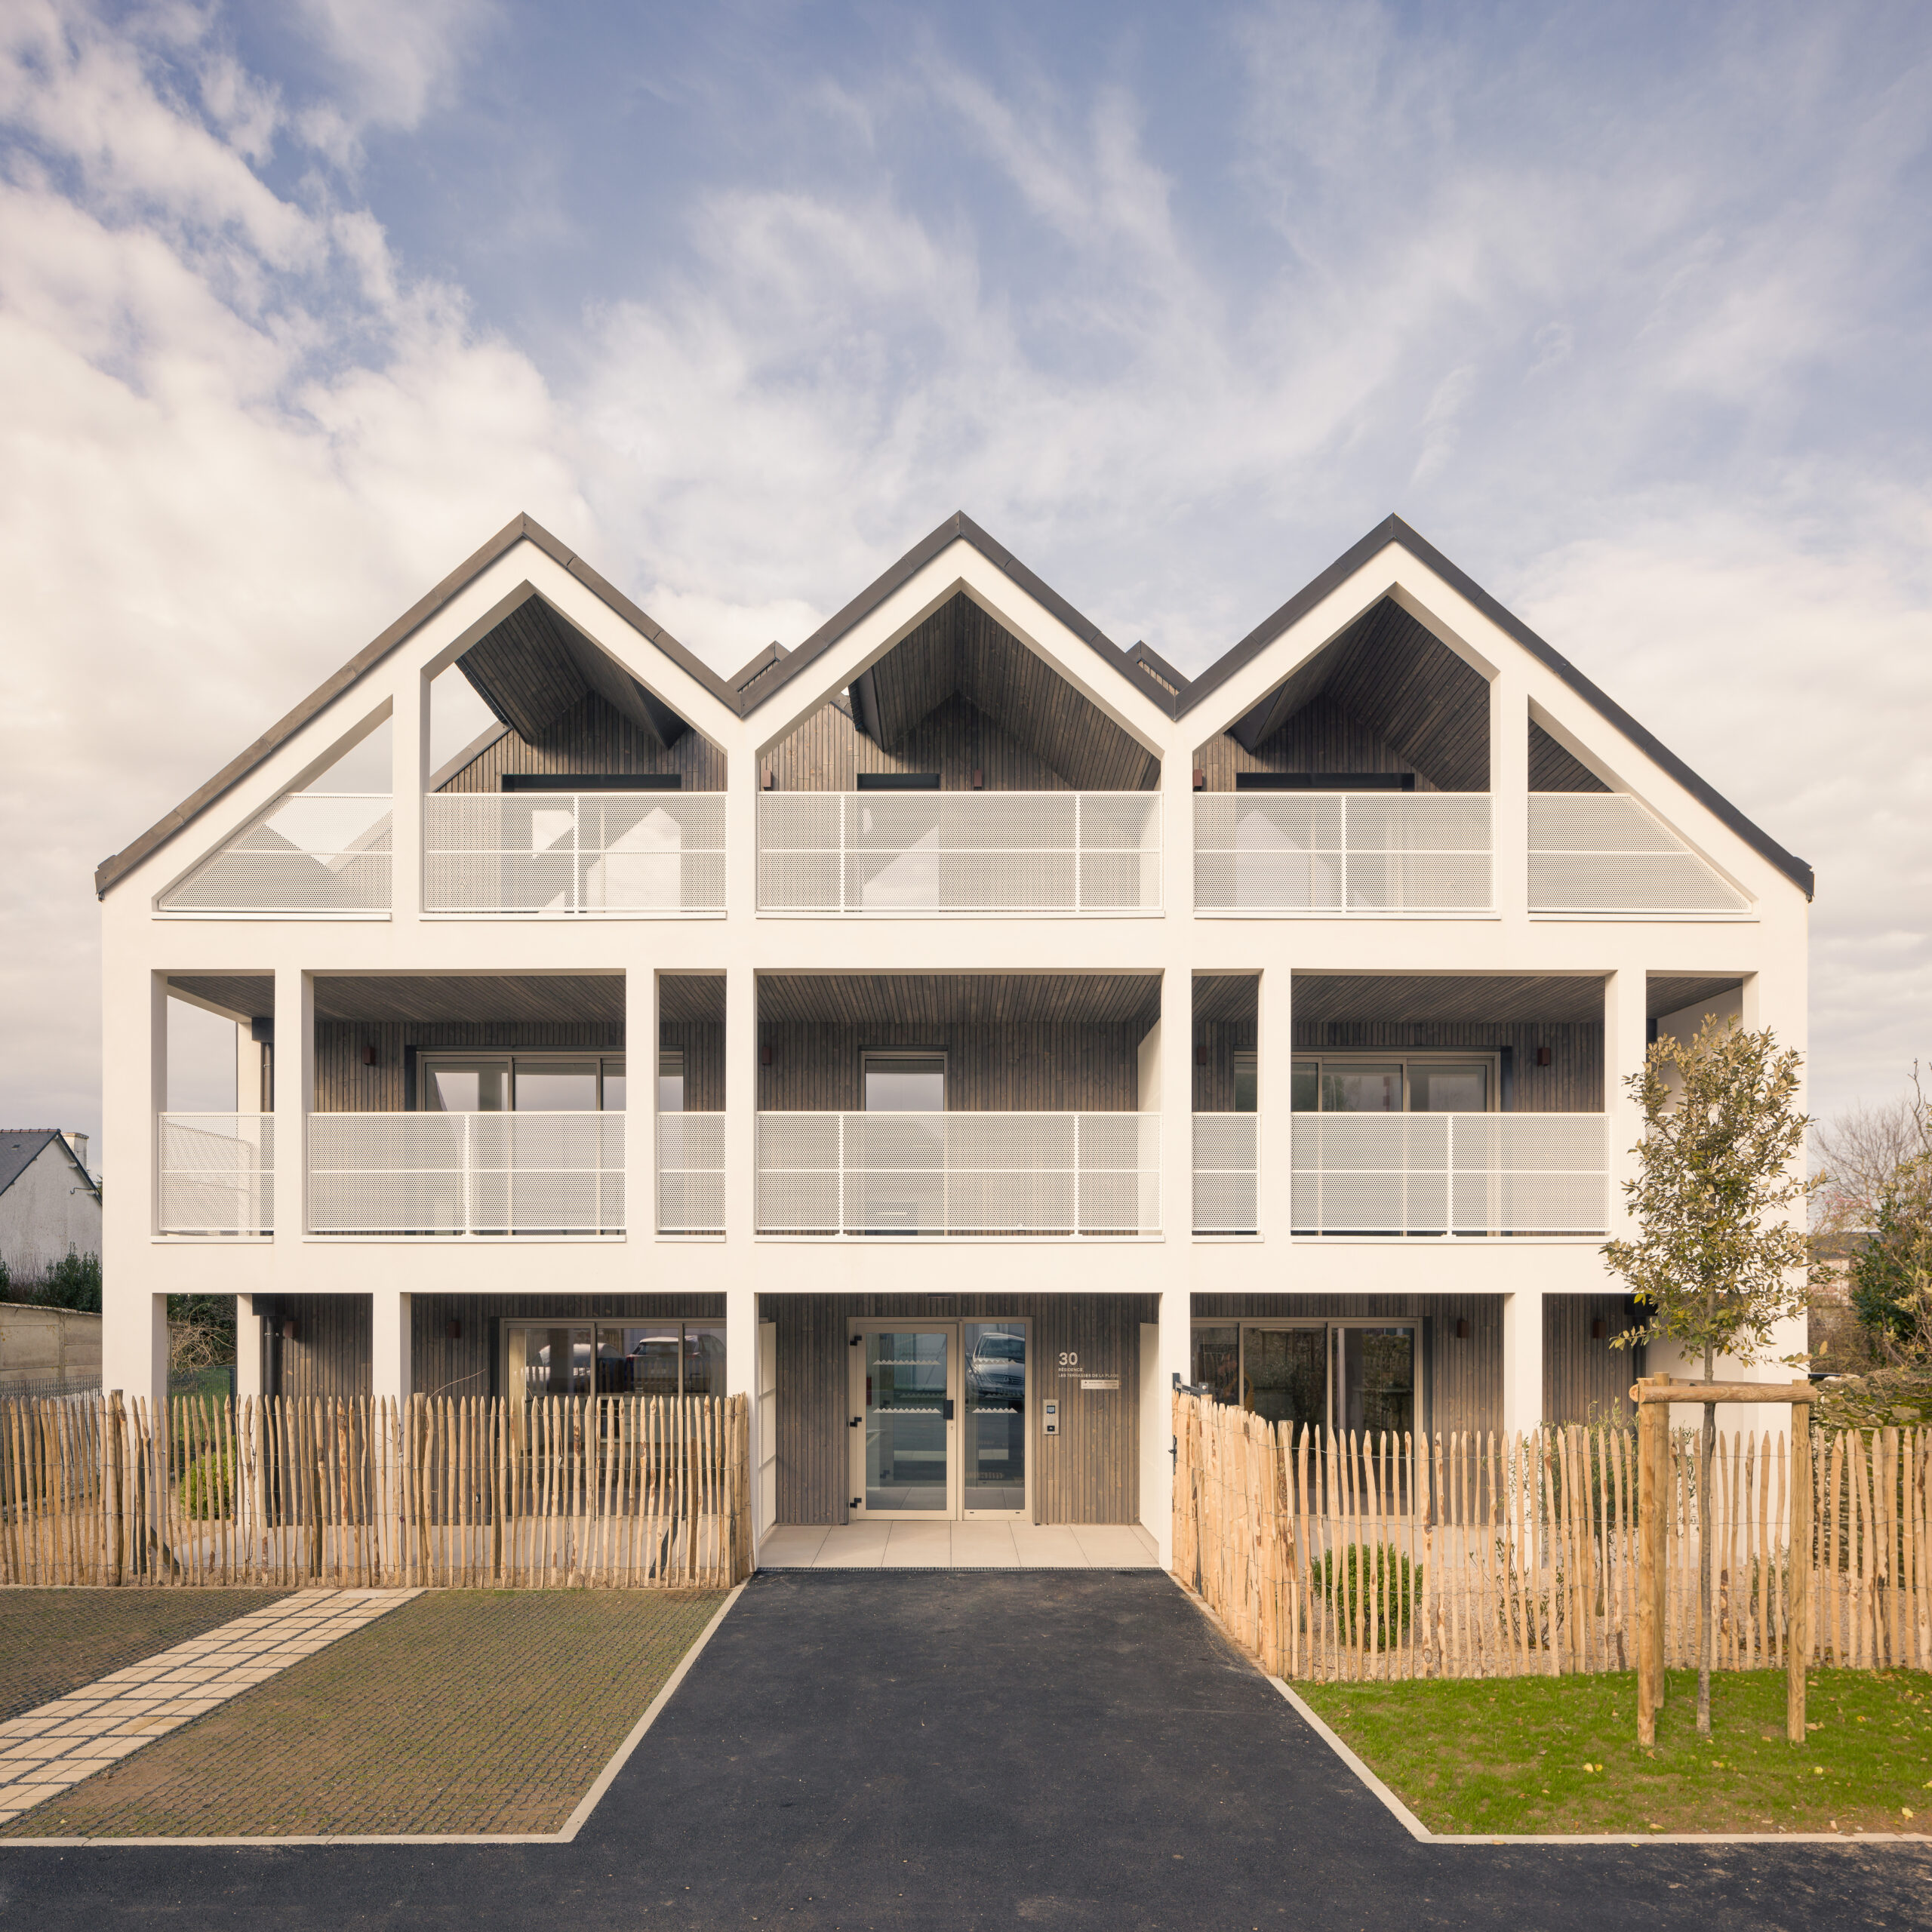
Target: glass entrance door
point(939, 1411)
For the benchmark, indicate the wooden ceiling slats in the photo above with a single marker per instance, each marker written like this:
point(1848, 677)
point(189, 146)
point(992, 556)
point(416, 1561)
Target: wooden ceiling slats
point(1496, 997)
point(935, 998)
point(1553, 769)
point(1672, 993)
point(691, 999)
point(1226, 997)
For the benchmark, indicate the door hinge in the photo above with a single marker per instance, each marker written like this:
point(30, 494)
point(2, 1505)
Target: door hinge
point(854, 1424)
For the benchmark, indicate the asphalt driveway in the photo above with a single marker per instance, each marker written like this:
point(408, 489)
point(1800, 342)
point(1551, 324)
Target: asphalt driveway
point(968, 1749)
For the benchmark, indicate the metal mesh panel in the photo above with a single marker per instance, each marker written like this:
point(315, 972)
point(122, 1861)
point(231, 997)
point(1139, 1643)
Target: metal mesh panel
point(217, 1174)
point(691, 1173)
point(1450, 1173)
point(565, 853)
point(430, 1174)
point(311, 852)
point(1227, 1163)
point(959, 852)
point(1342, 851)
point(958, 1174)
point(1603, 852)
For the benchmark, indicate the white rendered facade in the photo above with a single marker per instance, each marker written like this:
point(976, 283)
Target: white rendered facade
point(1748, 954)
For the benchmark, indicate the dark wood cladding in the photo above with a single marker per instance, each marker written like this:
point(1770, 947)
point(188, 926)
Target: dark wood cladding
point(958, 693)
point(1215, 1044)
point(1585, 1378)
point(327, 1354)
point(344, 1084)
point(1090, 1473)
point(1029, 1066)
point(1571, 1083)
point(1488, 998)
point(1553, 769)
point(465, 1362)
point(702, 1045)
point(984, 998)
point(1320, 737)
point(1462, 1378)
point(590, 736)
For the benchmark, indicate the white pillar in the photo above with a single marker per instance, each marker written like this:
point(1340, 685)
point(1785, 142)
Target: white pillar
point(1274, 1061)
point(740, 1273)
point(640, 1103)
point(409, 733)
point(1626, 1038)
point(1522, 1360)
point(391, 1374)
point(134, 1322)
point(294, 1098)
point(1509, 792)
point(247, 1349)
point(1177, 1063)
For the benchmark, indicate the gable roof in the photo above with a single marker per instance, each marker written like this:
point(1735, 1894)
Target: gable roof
point(774, 668)
point(21, 1146)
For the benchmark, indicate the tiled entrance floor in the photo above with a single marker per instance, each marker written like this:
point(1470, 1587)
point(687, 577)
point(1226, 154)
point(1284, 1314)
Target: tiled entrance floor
point(969, 1545)
point(44, 1751)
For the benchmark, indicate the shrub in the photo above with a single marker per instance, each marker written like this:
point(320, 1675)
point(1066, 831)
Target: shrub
point(207, 1487)
point(1381, 1581)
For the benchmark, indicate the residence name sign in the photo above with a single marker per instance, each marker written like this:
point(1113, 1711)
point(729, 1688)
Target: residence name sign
point(1071, 1369)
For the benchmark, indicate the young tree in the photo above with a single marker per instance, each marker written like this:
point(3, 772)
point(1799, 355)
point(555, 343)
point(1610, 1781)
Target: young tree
point(1717, 1259)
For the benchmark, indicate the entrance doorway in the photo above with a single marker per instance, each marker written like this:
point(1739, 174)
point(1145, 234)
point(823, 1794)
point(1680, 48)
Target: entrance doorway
point(938, 1418)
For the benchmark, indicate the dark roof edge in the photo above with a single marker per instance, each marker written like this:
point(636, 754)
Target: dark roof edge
point(1393, 529)
point(959, 528)
point(520, 528)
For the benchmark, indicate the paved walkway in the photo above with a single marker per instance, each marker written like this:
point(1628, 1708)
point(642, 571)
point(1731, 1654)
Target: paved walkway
point(46, 1750)
point(970, 1545)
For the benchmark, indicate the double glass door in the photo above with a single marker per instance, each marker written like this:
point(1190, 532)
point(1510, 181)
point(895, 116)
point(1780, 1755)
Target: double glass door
point(938, 1418)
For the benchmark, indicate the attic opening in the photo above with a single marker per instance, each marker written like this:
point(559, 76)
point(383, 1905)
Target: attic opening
point(563, 709)
point(961, 704)
point(1387, 705)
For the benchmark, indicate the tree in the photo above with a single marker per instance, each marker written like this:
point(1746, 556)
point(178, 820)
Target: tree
point(1716, 1260)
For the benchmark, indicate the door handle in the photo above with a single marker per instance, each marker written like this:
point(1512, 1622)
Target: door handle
point(854, 1424)
point(949, 1408)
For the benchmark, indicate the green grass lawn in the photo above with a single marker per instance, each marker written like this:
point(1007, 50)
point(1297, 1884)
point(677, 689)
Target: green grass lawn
point(1560, 1754)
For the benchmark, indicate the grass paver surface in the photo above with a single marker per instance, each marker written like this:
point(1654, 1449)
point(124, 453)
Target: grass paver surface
point(1560, 1754)
point(462, 1710)
point(54, 1641)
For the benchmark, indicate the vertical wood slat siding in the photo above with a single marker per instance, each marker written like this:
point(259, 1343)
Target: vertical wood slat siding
point(590, 737)
point(343, 1084)
point(1584, 1379)
point(1553, 769)
point(702, 1043)
point(1464, 1377)
point(1320, 737)
point(1018, 1067)
point(1091, 1473)
point(827, 753)
point(328, 1355)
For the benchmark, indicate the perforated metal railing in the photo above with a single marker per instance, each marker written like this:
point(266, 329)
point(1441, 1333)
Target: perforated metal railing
point(1603, 852)
point(217, 1174)
point(1062, 1175)
point(312, 853)
point(588, 853)
point(1450, 1173)
point(1363, 852)
point(691, 1173)
point(884, 852)
point(1227, 1173)
point(463, 1174)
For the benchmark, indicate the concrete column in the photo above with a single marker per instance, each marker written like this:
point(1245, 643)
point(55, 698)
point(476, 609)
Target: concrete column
point(1174, 1363)
point(247, 1349)
point(1522, 1360)
point(1509, 792)
point(409, 732)
point(740, 1274)
point(294, 1098)
point(391, 1374)
point(135, 1324)
point(1275, 1079)
point(1176, 1054)
point(640, 1103)
point(1625, 1037)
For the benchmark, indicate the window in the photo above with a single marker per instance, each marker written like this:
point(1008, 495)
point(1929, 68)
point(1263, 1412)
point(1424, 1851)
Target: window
point(1340, 1375)
point(898, 1083)
point(671, 1083)
point(528, 1083)
point(1416, 1084)
point(1247, 1083)
point(608, 1359)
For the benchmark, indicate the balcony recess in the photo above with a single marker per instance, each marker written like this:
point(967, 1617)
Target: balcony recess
point(217, 1174)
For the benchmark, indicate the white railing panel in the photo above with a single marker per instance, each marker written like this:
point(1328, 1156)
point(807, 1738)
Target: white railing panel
point(573, 854)
point(1450, 1173)
point(1227, 1173)
point(310, 853)
point(1365, 852)
point(958, 1174)
point(1604, 852)
point(217, 1174)
point(691, 1173)
point(466, 1173)
point(929, 852)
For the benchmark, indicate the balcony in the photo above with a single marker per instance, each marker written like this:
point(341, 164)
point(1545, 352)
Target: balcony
point(691, 1173)
point(1227, 1173)
point(466, 1174)
point(924, 852)
point(311, 855)
point(1062, 1175)
point(1450, 1173)
point(1602, 852)
point(564, 854)
point(1400, 853)
point(217, 1174)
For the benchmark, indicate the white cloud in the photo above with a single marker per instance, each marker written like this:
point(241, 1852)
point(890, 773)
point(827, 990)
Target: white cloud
point(396, 58)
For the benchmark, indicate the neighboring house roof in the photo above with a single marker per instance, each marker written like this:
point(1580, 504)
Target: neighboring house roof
point(21, 1146)
point(774, 667)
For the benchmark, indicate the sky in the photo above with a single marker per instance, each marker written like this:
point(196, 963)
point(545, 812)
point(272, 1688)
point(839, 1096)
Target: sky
point(1625, 308)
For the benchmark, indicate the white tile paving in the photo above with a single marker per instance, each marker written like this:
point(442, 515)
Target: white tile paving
point(980, 1544)
point(44, 1750)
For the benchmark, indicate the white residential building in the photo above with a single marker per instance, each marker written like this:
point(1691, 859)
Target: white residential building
point(1019, 1025)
